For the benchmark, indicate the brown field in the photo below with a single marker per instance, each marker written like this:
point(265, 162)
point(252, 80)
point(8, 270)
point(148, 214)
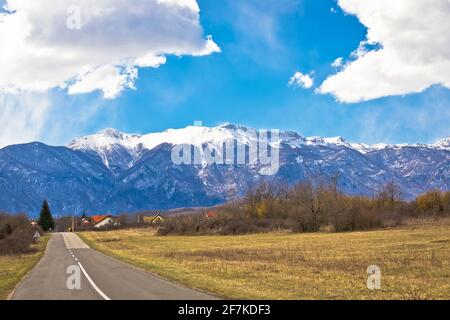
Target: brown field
point(13, 268)
point(414, 260)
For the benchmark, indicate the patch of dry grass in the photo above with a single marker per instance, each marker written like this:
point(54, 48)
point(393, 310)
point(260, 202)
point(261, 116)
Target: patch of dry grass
point(14, 267)
point(414, 260)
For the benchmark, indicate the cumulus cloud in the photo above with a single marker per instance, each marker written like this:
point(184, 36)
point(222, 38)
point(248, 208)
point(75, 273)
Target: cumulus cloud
point(412, 54)
point(86, 45)
point(300, 80)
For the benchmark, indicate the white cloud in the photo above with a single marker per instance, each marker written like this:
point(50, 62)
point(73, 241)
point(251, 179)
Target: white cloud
point(111, 80)
point(40, 52)
point(338, 62)
point(301, 80)
point(414, 52)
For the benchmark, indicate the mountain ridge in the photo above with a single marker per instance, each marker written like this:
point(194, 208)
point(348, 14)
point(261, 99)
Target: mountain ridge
point(193, 134)
point(112, 133)
point(115, 172)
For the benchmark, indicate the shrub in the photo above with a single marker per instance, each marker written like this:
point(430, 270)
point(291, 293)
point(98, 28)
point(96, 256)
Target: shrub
point(18, 242)
point(16, 234)
point(307, 207)
point(432, 202)
point(8, 223)
point(223, 224)
point(303, 221)
point(357, 219)
point(249, 226)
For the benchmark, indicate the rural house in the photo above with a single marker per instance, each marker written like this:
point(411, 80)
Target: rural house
point(86, 221)
point(211, 214)
point(153, 219)
point(104, 222)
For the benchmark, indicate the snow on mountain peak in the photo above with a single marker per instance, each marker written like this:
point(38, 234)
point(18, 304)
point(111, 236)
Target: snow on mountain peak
point(111, 132)
point(443, 144)
point(114, 146)
point(336, 140)
point(232, 126)
point(127, 148)
point(194, 135)
point(199, 135)
point(340, 142)
point(105, 139)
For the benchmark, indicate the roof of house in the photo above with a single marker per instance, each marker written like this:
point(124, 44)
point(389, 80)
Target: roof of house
point(155, 215)
point(98, 219)
point(152, 218)
point(211, 214)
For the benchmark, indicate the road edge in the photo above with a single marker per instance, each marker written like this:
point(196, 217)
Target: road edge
point(11, 294)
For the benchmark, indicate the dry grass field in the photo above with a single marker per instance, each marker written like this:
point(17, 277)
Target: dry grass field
point(13, 268)
point(414, 260)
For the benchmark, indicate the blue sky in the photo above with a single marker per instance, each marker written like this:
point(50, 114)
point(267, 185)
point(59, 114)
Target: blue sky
point(263, 43)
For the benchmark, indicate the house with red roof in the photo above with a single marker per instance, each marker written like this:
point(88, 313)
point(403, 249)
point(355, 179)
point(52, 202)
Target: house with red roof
point(104, 222)
point(211, 214)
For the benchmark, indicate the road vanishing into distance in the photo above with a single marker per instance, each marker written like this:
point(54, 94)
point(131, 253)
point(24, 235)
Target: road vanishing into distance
point(102, 277)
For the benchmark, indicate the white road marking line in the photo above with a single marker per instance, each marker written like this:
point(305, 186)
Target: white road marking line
point(76, 259)
point(100, 292)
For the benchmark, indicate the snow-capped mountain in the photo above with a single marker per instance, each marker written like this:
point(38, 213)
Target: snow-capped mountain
point(119, 151)
point(115, 172)
point(443, 144)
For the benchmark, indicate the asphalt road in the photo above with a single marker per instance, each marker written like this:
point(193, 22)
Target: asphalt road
point(101, 277)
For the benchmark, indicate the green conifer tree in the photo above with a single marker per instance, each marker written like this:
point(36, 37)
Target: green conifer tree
point(45, 218)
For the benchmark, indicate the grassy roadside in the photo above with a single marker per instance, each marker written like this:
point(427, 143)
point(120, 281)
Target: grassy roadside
point(14, 268)
point(415, 262)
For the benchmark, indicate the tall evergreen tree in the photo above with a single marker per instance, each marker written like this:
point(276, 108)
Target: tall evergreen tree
point(45, 218)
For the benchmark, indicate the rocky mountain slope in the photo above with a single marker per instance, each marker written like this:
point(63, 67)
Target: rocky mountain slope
point(116, 172)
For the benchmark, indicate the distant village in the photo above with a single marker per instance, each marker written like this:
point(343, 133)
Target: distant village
point(109, 221)
point(102, 222)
